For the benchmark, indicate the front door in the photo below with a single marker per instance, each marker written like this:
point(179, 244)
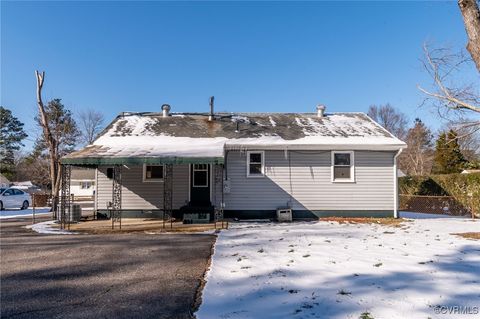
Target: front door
point(200, 185)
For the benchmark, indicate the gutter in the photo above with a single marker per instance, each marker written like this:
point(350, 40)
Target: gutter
point(395, 184)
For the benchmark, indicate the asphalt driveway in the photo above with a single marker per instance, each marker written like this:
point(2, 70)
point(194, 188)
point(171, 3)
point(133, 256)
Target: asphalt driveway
point(99, 276)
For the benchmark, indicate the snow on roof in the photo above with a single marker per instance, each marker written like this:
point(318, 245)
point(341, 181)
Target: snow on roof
point(192, 135)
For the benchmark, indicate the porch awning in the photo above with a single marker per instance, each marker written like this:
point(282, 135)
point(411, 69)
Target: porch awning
point(149, 150)
point(96, 161)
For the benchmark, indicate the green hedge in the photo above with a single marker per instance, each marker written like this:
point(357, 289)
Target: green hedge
point(464, 187)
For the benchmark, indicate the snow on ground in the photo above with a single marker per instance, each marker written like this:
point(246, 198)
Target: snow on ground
point(331, 270)
point(11, 213)
point(48, 228)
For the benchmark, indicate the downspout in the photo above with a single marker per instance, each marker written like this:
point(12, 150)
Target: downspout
point(395, 184)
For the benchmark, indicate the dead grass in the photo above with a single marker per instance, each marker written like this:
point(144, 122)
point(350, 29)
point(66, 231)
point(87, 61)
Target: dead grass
point(473, 235)
point(394, 222)
point(135, 225)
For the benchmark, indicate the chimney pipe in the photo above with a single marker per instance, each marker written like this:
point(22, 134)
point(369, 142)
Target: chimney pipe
point(211, 117)
point(165, 110)
point(321, 110)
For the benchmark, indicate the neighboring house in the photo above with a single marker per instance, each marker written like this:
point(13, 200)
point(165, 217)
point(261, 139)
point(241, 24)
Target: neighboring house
point(249, 164)
point(26, 186)
point(4, 182)
point(82, 181)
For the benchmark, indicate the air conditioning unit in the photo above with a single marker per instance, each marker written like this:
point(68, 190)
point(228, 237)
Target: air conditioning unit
point(76, 213)
point(284, 214)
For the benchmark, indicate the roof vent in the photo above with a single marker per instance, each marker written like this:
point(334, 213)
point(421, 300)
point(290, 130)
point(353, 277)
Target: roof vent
point(211, 116)
point(165, 110)
point(321, 110)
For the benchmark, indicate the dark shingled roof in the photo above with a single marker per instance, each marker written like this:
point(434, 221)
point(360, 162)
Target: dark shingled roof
point(181, 137)
point(289, 126)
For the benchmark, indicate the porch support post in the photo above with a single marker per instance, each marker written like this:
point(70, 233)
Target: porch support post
point(218, 198)
point(116, 213)
point(65, 195)
point(168, 193)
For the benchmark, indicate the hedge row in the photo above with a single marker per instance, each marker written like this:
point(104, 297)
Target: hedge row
point(465, 188)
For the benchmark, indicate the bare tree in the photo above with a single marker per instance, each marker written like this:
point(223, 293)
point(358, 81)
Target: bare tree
point(91, 123)
point(54, 162)
point(390, 118)
point(59, 136)
point(417, 159)
point(471, 18)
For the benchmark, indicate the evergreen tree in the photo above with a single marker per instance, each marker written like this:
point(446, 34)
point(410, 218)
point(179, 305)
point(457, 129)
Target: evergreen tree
point(448, 157)
point(11, 136)
point(63, 128)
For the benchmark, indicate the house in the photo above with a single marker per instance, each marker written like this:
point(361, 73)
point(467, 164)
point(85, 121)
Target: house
point(26, 186)
point(246, 165)
point(82, 181)
point(4, 182)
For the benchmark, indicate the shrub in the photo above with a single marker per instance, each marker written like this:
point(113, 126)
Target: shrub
point(465, 188)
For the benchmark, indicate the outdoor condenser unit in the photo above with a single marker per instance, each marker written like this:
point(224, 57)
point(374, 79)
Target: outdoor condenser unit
point(284, 214)
point(76, 213)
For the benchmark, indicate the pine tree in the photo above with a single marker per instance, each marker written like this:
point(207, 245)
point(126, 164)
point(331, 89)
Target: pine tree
point(448, 157)
point(11, 136)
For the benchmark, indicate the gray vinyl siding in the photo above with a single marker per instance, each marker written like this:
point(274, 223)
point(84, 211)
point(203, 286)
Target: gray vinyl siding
point(137, 194)
point(303, 181)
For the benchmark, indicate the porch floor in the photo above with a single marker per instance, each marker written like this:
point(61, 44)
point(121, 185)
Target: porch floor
point(140, 225)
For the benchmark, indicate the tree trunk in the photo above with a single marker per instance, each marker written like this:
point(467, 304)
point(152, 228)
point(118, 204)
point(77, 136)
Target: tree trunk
point(471, 18)
point(51, 142)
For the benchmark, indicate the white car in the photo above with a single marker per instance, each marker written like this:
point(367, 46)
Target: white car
point(14, 198)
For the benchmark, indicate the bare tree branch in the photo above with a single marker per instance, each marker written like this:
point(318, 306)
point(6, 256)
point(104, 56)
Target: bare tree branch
point(439, 64)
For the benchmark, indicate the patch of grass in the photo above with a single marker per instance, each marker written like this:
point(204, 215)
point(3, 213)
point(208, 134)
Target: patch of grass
point(305, 256)
point(344, 292)
point(394, 222)
point(261, 250)
point(366, 315)
point(291, 251)
point(472, 235)
point(426, 262)
point(378, 265)
point(293, 291)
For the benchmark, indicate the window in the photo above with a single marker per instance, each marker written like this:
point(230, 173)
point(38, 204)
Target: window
point(255, 164)
point(343, 167)
point(9, 192)
point(200, 175)
point(17, 192)
point(152, 173)
point(85, 185)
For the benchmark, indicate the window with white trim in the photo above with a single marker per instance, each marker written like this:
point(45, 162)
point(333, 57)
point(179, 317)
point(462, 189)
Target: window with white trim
point(343, 167)
point(85, 185)
point(255, 164)
point(153, 173)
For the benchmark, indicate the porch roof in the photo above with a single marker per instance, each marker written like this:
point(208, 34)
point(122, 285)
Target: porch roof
point(95, 161)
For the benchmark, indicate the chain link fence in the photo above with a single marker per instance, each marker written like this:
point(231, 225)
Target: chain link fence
point(446, 205)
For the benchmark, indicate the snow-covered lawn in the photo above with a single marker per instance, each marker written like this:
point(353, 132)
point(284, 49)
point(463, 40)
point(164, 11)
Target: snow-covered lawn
point(331, 270)
point(11, 213)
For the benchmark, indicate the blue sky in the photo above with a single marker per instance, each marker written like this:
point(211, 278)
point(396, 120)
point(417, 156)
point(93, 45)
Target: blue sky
point(269, 56)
